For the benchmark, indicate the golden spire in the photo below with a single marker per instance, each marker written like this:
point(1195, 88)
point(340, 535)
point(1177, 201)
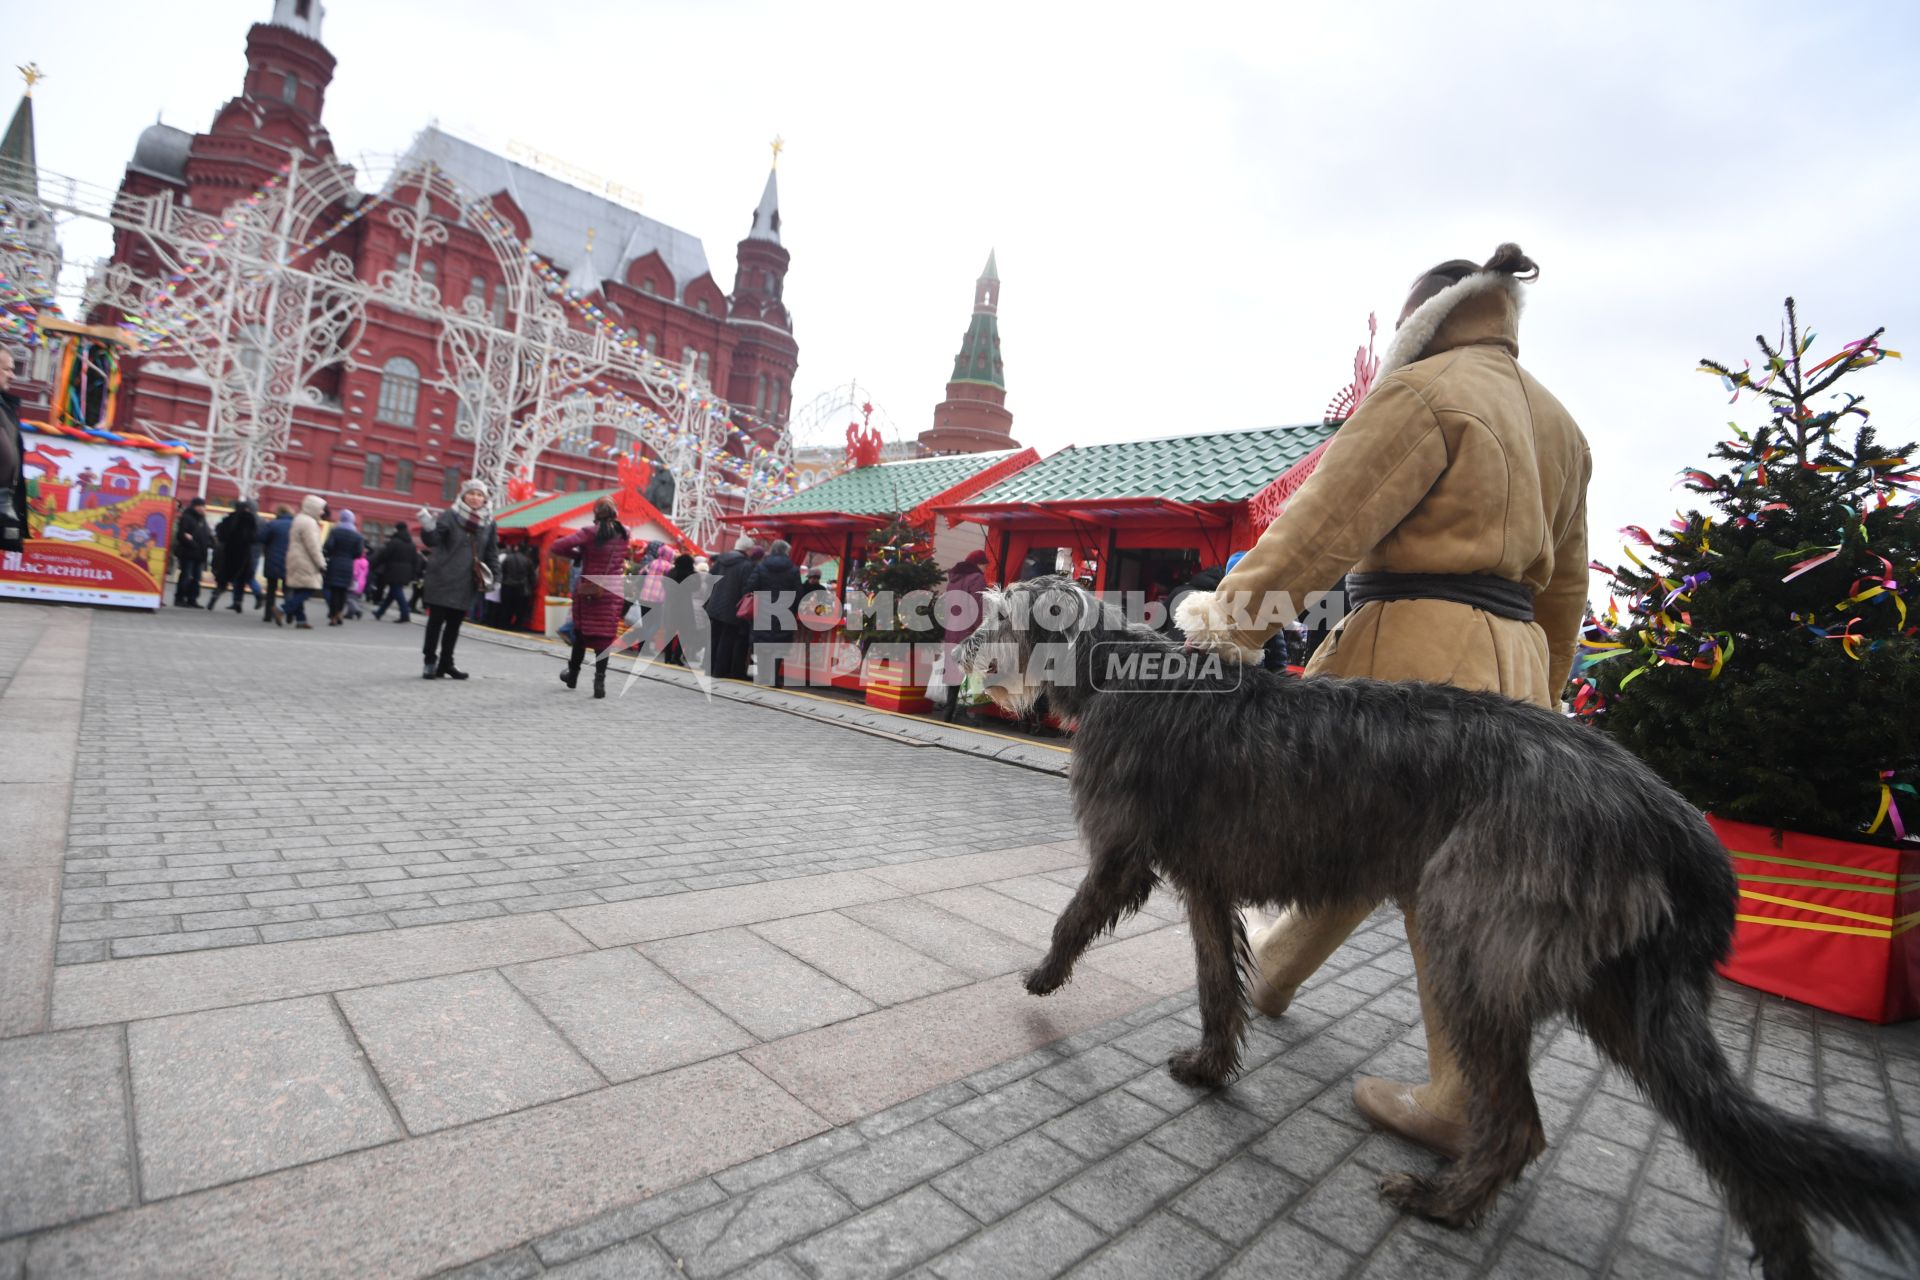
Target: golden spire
point(779, 144)
point(33, 75)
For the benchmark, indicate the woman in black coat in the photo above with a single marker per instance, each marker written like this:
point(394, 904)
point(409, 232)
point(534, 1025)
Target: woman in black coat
point(775, 586)
point(233, 540)
point(342, 547)
point(396, 567)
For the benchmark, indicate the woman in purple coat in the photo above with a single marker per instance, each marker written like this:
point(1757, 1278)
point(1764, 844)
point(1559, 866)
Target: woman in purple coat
point(599, 596)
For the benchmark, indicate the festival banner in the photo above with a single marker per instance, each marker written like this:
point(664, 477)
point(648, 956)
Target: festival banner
point(99, 522)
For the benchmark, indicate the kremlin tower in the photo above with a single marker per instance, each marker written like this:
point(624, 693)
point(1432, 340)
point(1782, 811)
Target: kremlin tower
point(974, 416)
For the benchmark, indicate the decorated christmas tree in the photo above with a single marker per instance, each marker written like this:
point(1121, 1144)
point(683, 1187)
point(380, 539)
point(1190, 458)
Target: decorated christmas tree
point(899, 560)
point(1767, 663)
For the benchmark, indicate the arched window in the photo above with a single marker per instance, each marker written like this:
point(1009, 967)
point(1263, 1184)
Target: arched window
point(289, 86)
point(646, 285)
point(771, 285)
point(704, 365)
point(702, 308)
point(429, 273)
point(653, 344)
point(399, 392)
point(477, 293)
point(760, 403)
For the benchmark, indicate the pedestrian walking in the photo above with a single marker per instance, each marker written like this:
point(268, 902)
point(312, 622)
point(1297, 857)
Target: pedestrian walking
point(343, 547)
point(598, 598)
point(677, 620)
point(192, 541)
point(13, 452)
point(234, 539)
point(275, 537)
point(397, 565)
point(774, 588)
point(516, 588)
point(462, 562)
point(306, 560)
point(361, 571)
point(731, 646)
point(960, 610)
point(1456, 496)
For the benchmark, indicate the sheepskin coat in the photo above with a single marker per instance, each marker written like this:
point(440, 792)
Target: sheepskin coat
point(306, 562)
point(1457, 462)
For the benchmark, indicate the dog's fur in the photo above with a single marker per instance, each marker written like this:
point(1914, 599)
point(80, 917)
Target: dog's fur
point(1551, 869)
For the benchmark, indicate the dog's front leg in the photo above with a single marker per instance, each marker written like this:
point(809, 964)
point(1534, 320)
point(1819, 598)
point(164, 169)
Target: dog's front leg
point(1115, 886)
point(1218, 945)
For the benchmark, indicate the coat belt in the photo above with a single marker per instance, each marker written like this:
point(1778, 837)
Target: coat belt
point(1481, 591)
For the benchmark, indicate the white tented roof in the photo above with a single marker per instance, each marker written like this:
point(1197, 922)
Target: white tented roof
point(561, 215)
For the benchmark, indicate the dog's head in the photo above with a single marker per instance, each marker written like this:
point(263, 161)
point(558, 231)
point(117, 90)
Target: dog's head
point(1034, 638)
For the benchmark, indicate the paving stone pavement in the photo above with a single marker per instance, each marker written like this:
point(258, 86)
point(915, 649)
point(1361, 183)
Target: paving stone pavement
point(797, 1049)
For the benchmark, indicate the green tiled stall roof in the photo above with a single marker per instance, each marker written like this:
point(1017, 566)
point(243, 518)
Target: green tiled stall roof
point(1221, 466)
point(886, 489)
point(547, 508)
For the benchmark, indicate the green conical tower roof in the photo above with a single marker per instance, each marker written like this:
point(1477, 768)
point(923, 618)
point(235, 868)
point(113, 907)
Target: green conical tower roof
point(19, 168)
point(979, 358)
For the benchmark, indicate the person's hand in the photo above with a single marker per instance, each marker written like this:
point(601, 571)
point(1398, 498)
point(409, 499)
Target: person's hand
point(424, 515)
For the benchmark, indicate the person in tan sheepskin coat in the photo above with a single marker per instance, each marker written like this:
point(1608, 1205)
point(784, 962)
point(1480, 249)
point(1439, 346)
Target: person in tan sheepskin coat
point(1455, 496)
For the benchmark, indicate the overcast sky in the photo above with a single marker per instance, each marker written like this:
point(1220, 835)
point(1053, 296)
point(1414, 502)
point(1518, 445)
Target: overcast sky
point(1195, 206)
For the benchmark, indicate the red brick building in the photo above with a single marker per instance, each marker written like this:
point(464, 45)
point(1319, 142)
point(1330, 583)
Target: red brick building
point(383, 441)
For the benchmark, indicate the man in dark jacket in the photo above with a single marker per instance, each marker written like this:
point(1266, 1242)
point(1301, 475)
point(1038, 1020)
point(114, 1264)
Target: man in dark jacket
point(397, 565)
point(13, 471)
point(233, 561)
point(275, 535)
point(192, 540)
point(516, 588)
point(774, 585)
point(732, 635)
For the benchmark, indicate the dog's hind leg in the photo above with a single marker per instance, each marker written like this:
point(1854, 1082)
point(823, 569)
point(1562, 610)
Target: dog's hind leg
point(1504, 1132)
point(1220, 952)
point(1116, 885)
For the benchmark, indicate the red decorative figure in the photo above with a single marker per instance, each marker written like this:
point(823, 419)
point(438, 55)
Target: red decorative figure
point(520, 488)
point(864, 445)
point(634, 476)
point(1366, 367)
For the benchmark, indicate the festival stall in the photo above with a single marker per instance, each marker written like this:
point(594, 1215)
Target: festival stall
point(833, 521)
point(537, 522)
point(1142, 515)
point(100, 503)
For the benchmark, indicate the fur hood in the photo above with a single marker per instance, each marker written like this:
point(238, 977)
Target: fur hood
point(1483, 309)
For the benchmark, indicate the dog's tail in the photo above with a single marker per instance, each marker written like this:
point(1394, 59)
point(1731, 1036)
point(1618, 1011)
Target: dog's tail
point(1773, 1166)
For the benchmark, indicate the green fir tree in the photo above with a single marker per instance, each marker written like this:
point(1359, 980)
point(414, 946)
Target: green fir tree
point(899, 561)
point(1767, 663)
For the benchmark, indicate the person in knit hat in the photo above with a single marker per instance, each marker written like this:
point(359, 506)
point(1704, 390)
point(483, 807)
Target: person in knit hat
point(463, 560)
point(732, 641)
point(343, 547)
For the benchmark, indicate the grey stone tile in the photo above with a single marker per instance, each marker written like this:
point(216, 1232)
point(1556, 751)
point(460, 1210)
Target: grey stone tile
point(732, 1234)
point(879, 967)
point(63, 1127)
point(1403, 1256)
point(636, 1260)
point(886, 1240)
point(913, 1111)
point(1162, 1246)
point(165, 943)
point(1578, 1225)
point(1125, 1187)
point(1273, 1092)
point(1239, 1198)
point(1009, 1110)
point(1209, 1133)
point(1519, 1260)
point(1039, 1241)
point(1620, 1121)
point(775, 1165)
point(1007, 1176)
point(627, 1016)
point(1673, 1228)
point(1307, 1144)
point(959, 944)
point(1285, 1249)
point(1089, 1073)
point(1105, 1123)
point(887, 1166)
point(516, 1264)
point(455, 1049)
point(1347, 1209)
point(626, 1222)
point(233, 1093)
point(755, 983)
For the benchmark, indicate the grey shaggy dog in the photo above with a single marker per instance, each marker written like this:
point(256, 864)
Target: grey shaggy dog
point(1552, 872)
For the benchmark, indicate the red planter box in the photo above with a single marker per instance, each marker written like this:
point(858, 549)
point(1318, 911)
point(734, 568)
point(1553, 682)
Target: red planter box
point(1830, 923)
